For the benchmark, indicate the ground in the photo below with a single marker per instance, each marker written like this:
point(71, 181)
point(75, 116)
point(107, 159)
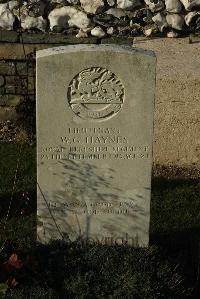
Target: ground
point(177, 109)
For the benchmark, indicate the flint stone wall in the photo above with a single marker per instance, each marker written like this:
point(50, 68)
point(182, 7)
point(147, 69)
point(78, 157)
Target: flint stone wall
point(101, 18)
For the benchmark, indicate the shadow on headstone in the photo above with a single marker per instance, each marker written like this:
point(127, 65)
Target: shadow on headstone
point(89, 201)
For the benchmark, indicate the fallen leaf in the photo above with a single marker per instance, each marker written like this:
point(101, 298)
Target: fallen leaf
point(14, 262)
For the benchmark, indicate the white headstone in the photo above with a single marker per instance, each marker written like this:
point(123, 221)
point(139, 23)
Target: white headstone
point(95, 107)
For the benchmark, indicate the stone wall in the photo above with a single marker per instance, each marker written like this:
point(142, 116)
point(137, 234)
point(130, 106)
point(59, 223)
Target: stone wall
point(100, 18)
point(17, 80)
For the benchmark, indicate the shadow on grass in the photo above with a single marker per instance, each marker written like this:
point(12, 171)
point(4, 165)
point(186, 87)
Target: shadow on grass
point(23, 203)
point(161, 184)
point(175, 223)
point(71, 270)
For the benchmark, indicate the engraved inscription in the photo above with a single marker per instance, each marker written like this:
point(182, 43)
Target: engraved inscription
point(96, 94)
point(79, 144)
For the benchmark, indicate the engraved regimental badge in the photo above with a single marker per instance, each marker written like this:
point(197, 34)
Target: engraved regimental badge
point(96, 93)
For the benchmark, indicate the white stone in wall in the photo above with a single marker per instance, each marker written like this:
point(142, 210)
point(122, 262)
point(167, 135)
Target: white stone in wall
point(160, 20)
point(110, 30)
point(74, 2)
point(81, 34)
point(92, 6)
point(98, 32)
point(148, 32)
point(27, 10)
point(13, 4)
point(34, 22)
point(7, 18)
point(68, 16)
point(60, 1)
point(189, 4)
point(175, 21)
point(190, 16)
point(65, 2)
point(172, 34)
point(128, 4)
point(116, 12)
point(3, 7)
point(111, 2)
point(154, 7)
point(173, 6)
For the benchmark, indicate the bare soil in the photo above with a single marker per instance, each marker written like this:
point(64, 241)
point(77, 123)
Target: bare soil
point(177, 105)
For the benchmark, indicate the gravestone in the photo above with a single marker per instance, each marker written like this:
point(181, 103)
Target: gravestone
point(95, 107)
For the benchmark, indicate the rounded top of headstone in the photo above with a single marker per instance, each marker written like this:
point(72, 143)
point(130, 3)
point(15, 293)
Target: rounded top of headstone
point(92, 47)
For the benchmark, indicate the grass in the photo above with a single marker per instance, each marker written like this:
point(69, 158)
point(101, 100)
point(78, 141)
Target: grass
point(167, 269)
point(19, 229)
point(175, 205)
point(26, 178)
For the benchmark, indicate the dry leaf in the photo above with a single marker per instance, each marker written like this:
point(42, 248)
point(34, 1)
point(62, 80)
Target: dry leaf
point(14, 262)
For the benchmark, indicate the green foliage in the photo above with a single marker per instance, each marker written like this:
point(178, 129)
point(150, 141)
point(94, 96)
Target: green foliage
point(3, 288)
point(30, 293)
point(20, 232)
